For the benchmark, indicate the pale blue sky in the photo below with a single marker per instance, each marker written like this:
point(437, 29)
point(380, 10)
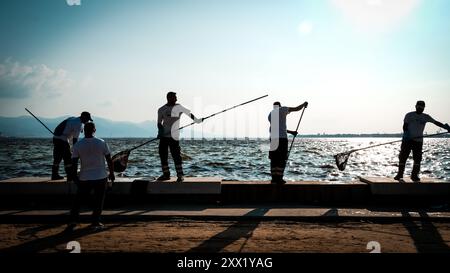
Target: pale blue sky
point(361, 64)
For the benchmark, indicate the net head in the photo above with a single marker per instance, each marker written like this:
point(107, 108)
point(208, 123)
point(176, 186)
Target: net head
point(120, 161)
point(341, 160)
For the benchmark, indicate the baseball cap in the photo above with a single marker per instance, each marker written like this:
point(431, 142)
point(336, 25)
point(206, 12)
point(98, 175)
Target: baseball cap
point(87, 115)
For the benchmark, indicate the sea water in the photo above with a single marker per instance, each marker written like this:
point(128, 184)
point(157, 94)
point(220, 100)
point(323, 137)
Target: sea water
point(311, 159)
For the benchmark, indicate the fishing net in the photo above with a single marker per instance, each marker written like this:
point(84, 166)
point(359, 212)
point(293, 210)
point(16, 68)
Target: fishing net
point(341, 160)
point(120, 161)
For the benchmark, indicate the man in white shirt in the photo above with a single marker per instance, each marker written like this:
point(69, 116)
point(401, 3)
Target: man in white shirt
point(169, 135)
point(413, 126)
point(67, 130)
point(92, 152)
point(279, 139)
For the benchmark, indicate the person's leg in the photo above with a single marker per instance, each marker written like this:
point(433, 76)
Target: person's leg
point(405, 150)
point(273, 171)
point(175, 151)
point(284, 152)
point(276, 163)
point(67, 156)
point(417, 157)
point(164, 155)
point(99, 199)
point(57, 157)
point(82, 192)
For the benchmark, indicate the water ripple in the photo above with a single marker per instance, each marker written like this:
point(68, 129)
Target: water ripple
point(311, 159)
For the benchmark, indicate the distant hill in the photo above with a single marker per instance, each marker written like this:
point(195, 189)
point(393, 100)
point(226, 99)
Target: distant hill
point(28, 127)
point(25, 126)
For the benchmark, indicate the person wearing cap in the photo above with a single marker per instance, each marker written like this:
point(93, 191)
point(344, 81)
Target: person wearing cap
point(169, 135)
point(66, 131)
point(279, 139)
point(413, 126)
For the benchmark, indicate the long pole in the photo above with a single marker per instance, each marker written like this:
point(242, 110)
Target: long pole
point(292, 143)
point(69, 185)
point(223, 111)
point(391, 142)
point(203, 119)
point(40, 121)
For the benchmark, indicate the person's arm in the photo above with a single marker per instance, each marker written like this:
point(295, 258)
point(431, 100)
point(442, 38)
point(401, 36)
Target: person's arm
point(75, 158)
point(443, 126)
point(76, 130)
point(298, 108)
point(160, 125)
point(188, 113)
point(110, 167)
point(196, 120)
point(294, 133)
point(405, 127)
point(109, 161)
point(75, 169)
point(437, 123)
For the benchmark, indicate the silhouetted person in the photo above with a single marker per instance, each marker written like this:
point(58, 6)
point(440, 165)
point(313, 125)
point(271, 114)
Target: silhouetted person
point(92, 152)
point(279, 139)
point(413, 126)
point(67, 130)
point(169, 135)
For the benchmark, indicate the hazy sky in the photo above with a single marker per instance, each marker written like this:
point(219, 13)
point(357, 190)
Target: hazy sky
point(361, 64)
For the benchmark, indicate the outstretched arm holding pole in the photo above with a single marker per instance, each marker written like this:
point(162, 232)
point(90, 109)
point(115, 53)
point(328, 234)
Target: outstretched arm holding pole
point(298, 108)
point(120, 160)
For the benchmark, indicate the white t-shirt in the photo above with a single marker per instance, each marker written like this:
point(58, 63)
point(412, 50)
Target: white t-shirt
point(169, 117)
point(72, 130)
point(416, 125)
point(91, 152)
point(278, 128)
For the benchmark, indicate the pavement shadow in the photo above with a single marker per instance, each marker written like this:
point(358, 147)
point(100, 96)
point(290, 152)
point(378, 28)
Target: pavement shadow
point(32, 232)
point(52, 241)
point(426, 236)
point(237, 231)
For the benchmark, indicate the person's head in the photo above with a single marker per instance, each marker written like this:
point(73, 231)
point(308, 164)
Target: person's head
point(276, 104)
point(89, 129)
point(85, 117)
point(171, 98)
point(420, 106)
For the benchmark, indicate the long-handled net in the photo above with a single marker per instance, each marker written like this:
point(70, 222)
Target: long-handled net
point(293, 139)
point(342, 158)
point(120, 160)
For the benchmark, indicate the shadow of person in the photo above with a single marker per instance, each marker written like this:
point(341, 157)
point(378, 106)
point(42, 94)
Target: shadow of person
point(425, 235)
point(242, 229)
point(32, 231)
point(52, 241)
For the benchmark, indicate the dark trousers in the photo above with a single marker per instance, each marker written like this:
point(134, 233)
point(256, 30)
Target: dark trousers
point(166, 143)
point(61, 151)
point(278, 159)
point(84, 189)
point(405, 151)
